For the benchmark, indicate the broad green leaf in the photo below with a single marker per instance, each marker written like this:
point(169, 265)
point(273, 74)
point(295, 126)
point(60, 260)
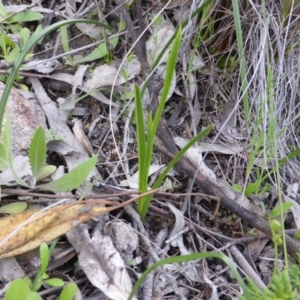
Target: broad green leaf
point(284, 207)
point(24, 87)
point(68, 292)
point(3, 12)
point(73, 179)
point(15, 28)
point(7, 41)
point(37, 151)
point(13, 54)
point(28, 281)
point(25, 35)
point(45, 172)
point(33, 296)
point(25, 16)
point(122, 25)
point(297, 235)
point(13, 208)
point(18, 289)
point(99, 52)
point(54, 282)
point(4, 163)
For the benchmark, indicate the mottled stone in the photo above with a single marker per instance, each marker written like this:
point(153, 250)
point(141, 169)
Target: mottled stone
point(26, 116)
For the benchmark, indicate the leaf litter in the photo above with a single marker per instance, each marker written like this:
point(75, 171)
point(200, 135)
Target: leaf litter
point(218, 161)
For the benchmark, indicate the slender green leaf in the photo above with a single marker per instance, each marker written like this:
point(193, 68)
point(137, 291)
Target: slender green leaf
point(37, 151)
point(13, 208)
point(64, 38)
point(141, 138)
point(162, 176)
point(170, 69)
point(98, 53)
point(53, 245)
point(241, 53)
point(297, 235)
point(25, 16)
point(7, 138)
point(69, 292)
point(281, 209)
point(283, 161)
point(186, 258)
point(73, 179)
point(252, 187)
point(172, 163)
point(146, 154)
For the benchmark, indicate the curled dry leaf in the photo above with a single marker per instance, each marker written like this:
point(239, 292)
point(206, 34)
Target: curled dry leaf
point(42, 226)
point(27, 230)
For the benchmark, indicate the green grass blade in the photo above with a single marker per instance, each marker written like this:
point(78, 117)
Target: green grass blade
point(186, 258)
point(64, 38)
point(13, 208)
point(140, 128)
point(241, 54)
point(147, 200)
point(144, 202)
point(172, 163)
point(170, 69)
point(183, 25)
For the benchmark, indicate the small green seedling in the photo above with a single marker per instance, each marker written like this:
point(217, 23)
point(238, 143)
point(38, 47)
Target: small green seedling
point(27, 289)
point(37, 157)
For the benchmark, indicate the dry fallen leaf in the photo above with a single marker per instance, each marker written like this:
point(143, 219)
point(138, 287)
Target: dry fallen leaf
point(101, 262)
point(27, 230)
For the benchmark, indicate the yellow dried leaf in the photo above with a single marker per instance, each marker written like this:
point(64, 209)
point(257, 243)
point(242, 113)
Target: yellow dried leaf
point(27, 230)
